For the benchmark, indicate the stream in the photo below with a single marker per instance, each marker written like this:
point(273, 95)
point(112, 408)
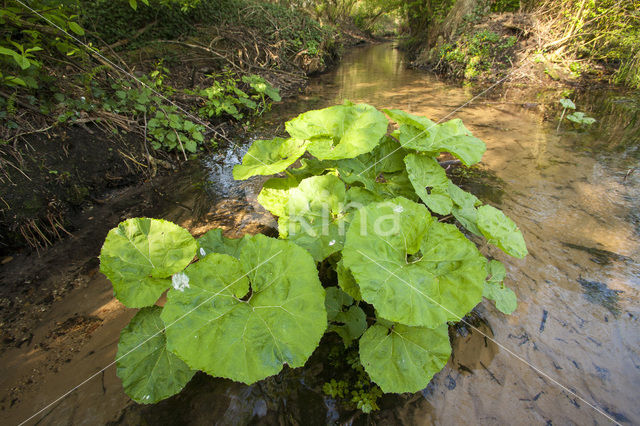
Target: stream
point(574, 195)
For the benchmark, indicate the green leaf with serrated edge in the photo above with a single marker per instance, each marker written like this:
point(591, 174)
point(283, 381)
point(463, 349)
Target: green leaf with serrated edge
point(141, 254)
point(422, 134)
point(341, 131)
point(494, 289)
point(500, 231)
point(404, 359)
point(315, 216)
point(464, 208)
point(421, 123)
point(280, 322)
point(346, 281)
point(412, 269)
point(268, 157)
point(452, 136)
point(335, 300)
point(430, 182)
point(275, 194)
point(149, 372)
point(351, 324)
point(214, 242)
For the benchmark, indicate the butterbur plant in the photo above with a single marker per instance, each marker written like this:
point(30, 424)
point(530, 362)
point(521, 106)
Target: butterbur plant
point(371, 207)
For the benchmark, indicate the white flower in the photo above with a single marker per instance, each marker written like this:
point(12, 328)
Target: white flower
point(202, 252)
point(180, 281)
point(398, 209)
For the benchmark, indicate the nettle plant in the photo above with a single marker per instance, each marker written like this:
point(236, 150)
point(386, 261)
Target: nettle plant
point(367, 208)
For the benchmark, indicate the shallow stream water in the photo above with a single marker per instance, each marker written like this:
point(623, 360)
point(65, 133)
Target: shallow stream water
point(575, 197)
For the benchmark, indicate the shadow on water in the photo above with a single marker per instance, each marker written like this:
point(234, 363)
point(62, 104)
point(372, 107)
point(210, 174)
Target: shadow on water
point(572, 195)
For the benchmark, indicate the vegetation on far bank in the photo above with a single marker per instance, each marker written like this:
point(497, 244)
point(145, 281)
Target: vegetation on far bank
point(535, 41)
point(95, 93)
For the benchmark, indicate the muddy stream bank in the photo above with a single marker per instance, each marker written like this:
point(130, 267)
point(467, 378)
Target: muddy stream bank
point(572, 193)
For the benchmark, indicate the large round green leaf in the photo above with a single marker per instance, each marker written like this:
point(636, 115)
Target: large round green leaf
point(149, 372)
point(228, 329)
point(268, 157)
point(414, 270)
point(430, 182)
point(315, 216)
point(404, 359)
point(341, 131)
point(501, 231)
point(140, 254)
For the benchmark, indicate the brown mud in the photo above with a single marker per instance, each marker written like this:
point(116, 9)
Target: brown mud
point(571, 192)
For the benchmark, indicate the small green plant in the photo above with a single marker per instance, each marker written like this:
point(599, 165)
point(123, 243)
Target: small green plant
point(576, 117)
point(225, 96)
point(371, 208)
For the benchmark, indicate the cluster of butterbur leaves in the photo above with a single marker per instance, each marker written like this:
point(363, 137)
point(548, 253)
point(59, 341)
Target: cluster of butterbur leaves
point(370, 204)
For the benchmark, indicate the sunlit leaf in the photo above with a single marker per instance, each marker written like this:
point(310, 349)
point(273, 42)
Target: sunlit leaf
point(341, 131)
point(500, 231)
point(244, 319)
point(414, 270)
point(149, 372)
point(430, 182)
point(275, 194)
point(141, 254)
point(315, 216)
point(267, 157)
point(404, 359)
point(421, 134)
